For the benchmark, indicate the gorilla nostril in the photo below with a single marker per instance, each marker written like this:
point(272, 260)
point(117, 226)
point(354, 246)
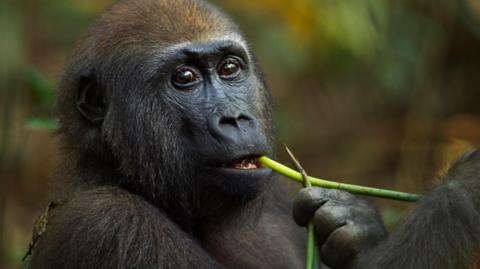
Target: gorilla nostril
point(244, 118)
point(228, 121)
point(234, 121)
point(233, 128)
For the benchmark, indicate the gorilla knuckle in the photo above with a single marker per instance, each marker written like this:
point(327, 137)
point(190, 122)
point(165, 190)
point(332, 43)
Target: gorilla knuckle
point(344, 228)
point(342, 246)
point(306, 202)
point(331, 215)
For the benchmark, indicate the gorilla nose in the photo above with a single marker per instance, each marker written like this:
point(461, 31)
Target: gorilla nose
point(233, 128)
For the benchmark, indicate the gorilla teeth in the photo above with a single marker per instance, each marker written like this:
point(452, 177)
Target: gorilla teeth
point(245, 164)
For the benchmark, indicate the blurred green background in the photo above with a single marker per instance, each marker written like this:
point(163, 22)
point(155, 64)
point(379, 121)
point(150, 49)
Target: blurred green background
point(381, 93)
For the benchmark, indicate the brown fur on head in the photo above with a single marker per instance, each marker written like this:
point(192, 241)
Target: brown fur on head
point(137, 140)
point(129, 28)
point(168, 21)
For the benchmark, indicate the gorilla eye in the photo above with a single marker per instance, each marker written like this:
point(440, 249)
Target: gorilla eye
point(185, 77)
point(229, 68)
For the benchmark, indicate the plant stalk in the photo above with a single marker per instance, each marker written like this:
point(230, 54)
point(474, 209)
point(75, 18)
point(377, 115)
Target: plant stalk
point(313, 260)
point(357, 189)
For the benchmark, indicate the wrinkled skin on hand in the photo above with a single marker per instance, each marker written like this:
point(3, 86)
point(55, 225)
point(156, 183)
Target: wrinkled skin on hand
point(344, 224)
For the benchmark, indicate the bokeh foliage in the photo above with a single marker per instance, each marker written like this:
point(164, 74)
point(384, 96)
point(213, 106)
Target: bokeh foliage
point(380, 93)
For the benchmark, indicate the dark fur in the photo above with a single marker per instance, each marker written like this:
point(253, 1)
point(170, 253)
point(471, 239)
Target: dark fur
point(119, 53)
point(443, 231)
point(133, 174)
point(136, 194)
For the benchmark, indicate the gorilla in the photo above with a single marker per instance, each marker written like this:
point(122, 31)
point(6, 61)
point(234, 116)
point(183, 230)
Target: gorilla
point(163, 113)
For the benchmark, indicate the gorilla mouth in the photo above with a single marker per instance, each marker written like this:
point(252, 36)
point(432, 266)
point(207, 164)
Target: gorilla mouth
point(245, 163)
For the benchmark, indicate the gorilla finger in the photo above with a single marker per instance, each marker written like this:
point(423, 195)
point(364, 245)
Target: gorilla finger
point(343, 245)
point(329, 217)
point(362, 211)
point(307, 201)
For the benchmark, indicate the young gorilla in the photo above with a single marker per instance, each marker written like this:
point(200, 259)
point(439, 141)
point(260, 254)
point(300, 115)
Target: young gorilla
point(163, 113)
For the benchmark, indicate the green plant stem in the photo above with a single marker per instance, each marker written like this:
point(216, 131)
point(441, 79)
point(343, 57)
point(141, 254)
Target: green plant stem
point(311, 246)
point(375, 192)
point(313, 260)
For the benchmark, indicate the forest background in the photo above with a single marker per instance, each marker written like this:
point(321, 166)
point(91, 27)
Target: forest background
point(379, 93)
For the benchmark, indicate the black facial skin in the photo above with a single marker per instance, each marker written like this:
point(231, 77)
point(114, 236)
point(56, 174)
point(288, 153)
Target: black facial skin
point(217, 118)
point(210, 116)
point(158, 106)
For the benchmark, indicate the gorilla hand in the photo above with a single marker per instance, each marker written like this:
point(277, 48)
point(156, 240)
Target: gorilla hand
point(344, 224)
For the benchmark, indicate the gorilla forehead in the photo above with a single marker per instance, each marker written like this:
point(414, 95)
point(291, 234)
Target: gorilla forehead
point(163, 23)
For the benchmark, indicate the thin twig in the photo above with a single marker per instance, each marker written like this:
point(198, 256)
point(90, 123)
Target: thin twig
point(298, 166)
point(312, 255)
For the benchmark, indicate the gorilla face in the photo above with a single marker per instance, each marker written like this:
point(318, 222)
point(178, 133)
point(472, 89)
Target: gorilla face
point(198, 116)
point(212, 89)
point(179, 112)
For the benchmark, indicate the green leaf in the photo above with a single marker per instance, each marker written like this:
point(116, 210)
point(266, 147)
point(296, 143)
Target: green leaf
point(40, 87)
point(41, 124)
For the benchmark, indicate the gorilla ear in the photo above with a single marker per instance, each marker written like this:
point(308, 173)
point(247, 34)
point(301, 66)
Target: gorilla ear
point(90, 100)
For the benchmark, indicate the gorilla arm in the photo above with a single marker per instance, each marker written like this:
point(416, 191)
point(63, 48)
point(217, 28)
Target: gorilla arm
point(443, 231)
point(111, 228)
